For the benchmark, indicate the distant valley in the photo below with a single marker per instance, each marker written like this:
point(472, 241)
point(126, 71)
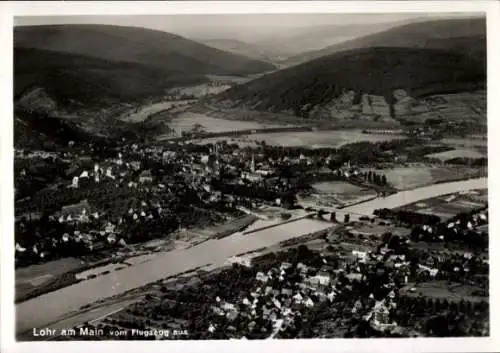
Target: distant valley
point(467, 36)
point(87, 65)
point(96, 73)
point(281, 48)
point(123, 75)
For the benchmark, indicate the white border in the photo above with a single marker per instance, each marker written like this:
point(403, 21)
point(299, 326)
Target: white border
point(44, 8)
point(8, 10)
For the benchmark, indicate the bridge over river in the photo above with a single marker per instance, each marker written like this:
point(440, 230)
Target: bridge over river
point(48, 309)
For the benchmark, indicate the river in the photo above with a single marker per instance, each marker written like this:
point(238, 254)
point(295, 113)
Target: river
point(40, 311)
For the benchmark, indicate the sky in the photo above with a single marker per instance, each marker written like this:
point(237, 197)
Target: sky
point(236, 26)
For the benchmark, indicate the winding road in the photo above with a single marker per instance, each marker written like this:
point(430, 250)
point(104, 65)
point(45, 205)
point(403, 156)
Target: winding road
point(49, 308)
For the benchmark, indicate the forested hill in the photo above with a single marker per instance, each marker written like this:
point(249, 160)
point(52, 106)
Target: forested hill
point(147, 47)
point(449, 34)
point(376, 71)
point(76, 79)
point(70, 69)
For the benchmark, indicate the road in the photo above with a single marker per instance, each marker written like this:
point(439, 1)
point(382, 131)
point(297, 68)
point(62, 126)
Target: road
point(49, 308)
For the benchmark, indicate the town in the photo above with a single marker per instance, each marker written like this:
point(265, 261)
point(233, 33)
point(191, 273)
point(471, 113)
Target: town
point(130, 193)
point(172, 186)
point(373, 266)
point(335, 283)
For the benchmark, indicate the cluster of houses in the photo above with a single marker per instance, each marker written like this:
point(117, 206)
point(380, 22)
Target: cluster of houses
point(278, 305)
point(92, 229)
point(193, 169)
point(196, 168)
point(80, 225)
point(109, 170)
point(475, 222)
point(283, 294)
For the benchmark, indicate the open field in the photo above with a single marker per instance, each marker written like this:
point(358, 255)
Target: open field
point(312, 139)
point(216, 85)
point(405, 178)
point(338, 193)
point(53, 268)
point(273, 212)
point(367, 229)
point(188, 120)
point(457, 153)
point(272, 216)
point(474, 142)
point(202, 89)
point(287, 117)
point(336, 187)
point(444, 290)
point(236, 225)
point(447, 206)
point(234, 79)
point(29, 278)
point(142, 113)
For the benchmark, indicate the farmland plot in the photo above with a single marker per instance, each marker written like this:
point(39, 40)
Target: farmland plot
point(406, 178)
point(142, 113)
point(338, 193)
point(457, 153)
point(446, 206)
point(310, 139)
point(189, 120)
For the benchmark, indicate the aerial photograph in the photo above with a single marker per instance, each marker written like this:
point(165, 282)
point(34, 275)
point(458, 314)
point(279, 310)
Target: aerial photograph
point(250, 176)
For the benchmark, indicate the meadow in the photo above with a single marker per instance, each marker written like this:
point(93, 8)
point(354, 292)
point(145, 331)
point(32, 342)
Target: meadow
point(142, 113)
point(457, 153)
point(337, 193)
point(311, 139)
point(189, 120)
point(447, 206)
point(406, 178)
